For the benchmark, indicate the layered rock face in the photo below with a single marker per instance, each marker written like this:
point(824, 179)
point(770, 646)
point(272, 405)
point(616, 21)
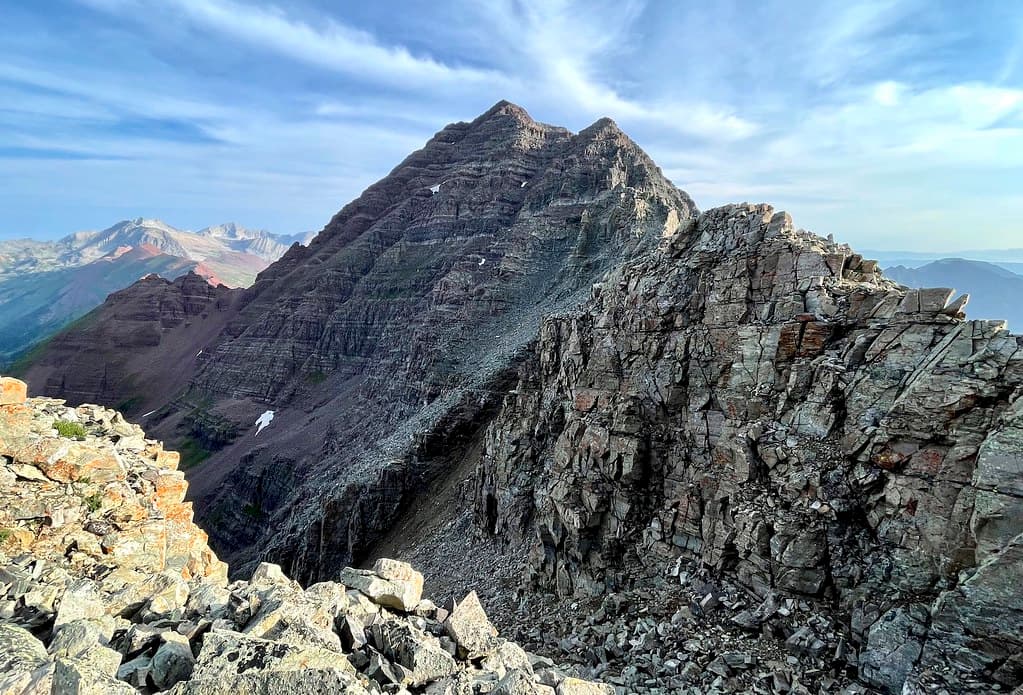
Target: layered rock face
point(390, 332)
point(106, 586)
point(762, 401)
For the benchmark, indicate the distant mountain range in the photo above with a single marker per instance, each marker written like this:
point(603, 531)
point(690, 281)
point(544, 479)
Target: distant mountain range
point(1010, 259)
point(44, 285)
point(995, 292)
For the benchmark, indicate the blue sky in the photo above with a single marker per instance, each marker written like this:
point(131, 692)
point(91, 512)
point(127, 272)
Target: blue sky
point(888, 124)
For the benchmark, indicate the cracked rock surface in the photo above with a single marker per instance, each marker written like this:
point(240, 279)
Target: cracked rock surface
point(761, 402)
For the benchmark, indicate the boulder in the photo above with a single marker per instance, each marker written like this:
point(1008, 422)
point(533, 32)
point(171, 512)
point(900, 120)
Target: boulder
point(390, 583)
point(269, 573)
point(226, 654)
point(470, 628)
point(307, 681)
point(74, 677)
point(172, 662)
point(576, 686)
point(82, 600)
point(82, 641)
point(24, 663)
point(520, 683)
point(413, 649)
point(12, 391)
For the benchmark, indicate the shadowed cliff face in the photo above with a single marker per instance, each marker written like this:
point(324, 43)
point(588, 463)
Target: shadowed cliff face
point(392, 328)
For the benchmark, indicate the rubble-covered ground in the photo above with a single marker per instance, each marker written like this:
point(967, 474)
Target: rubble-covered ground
point(674, 629)
point(106, 586)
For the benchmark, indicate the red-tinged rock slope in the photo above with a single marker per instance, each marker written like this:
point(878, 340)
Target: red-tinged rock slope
point(138, 348)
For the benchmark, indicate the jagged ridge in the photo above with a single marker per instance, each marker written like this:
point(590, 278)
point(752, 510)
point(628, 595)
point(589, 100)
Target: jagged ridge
point(753, 399)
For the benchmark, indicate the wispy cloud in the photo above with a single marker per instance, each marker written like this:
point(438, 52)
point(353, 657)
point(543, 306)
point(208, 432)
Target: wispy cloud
point(15, 152)
point(570, 48)
point(856, 116)
point(331, 44)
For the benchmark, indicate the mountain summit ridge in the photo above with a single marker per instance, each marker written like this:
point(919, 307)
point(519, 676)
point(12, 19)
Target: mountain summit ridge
point(529, 348)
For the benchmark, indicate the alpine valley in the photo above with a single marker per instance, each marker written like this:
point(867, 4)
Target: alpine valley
point(671, 450)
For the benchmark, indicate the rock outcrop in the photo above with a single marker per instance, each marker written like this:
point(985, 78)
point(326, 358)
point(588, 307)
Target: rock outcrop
point(762, 401)
point(106, 586)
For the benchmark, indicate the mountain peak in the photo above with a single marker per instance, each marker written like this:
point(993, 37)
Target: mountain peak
point(506, 108)
point(149, 222)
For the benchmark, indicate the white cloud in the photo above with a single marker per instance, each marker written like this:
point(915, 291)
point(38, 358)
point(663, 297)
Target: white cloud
point(887, 93)
point(564, 51)
point(830, 108)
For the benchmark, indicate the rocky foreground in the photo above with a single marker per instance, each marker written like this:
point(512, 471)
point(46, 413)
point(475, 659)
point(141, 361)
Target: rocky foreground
point(106, 586)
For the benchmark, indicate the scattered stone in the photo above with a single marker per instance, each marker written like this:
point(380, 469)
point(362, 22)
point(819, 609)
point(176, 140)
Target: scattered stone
point(390, 583)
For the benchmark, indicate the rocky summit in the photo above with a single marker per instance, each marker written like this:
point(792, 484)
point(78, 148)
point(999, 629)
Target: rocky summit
point(681, 452)
point(106, 586)
point(397, 326)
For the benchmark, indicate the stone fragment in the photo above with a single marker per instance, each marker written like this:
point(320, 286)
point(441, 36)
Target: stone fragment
point(269, 573)
point(226, 654)
point(23, 661)
point(172, 662)
point(81, 640)
point(12, 391)
point(74, 677)
point(81, 601)
point(506, 657)
point(391, 583)
point(517, 683)
point(576, 686)
point(352, 632)
point(306, 681)
point(470, 628)
point(417, 651)
point(168, 595)
point(136, 671)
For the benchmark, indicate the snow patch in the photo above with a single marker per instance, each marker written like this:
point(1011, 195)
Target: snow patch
point(265, 419)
